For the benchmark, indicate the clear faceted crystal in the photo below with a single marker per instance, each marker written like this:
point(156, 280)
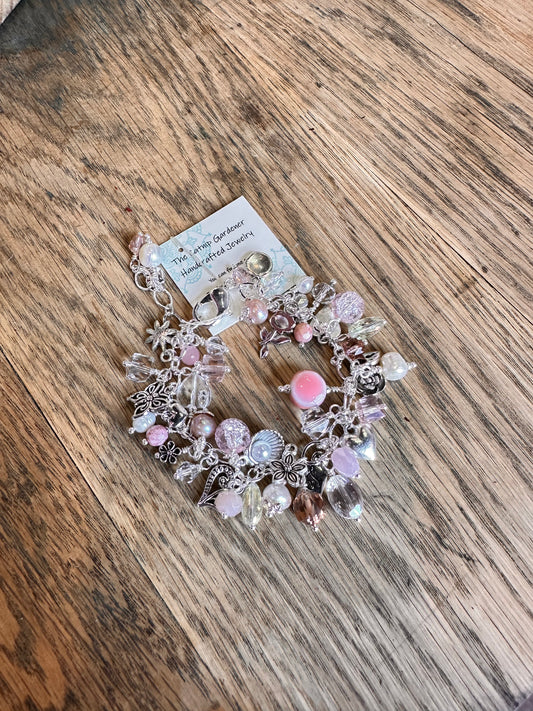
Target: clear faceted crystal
point(187, 470)
point(139, 367)
point(366, 328)
point(252, 506)
point(344, 496)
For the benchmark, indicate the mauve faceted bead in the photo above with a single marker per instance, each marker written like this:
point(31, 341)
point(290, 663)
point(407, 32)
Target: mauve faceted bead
point(308, 506)
point(190, 355)
point(348, 307)
point(228, 503)
point(308, 389)
point(303, 333)
point(232, 436)
point(157, 435)
point(370, 408)
point(203, 425)
point(345, 462)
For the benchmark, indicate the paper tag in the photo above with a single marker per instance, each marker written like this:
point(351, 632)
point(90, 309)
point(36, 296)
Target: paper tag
point(201, 257)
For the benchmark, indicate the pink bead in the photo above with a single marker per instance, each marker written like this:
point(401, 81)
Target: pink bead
point(203, 424)
point(190, 355)
point(228, 503)
point(157, 435)
point(303, 333)
point(348, 307)
point(255, 311)
point(308, 389)
point(137, 242)
point(232, 436)
point(345, 462)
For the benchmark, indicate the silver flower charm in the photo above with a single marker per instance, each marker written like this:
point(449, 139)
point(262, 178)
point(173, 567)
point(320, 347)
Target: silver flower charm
point(289, 469)
point(153, 398)
point(160, 335)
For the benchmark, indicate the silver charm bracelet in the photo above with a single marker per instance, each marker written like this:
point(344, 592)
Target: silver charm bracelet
point(172, 409)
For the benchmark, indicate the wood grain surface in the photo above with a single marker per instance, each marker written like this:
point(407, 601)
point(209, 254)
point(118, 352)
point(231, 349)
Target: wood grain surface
point(388, 145)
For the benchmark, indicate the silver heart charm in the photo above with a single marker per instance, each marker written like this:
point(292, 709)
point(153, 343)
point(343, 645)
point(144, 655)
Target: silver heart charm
point(363, 442)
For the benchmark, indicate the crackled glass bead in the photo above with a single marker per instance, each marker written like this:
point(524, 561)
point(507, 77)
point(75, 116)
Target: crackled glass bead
point(232, 436)
point(156, 435)
point(347, 307)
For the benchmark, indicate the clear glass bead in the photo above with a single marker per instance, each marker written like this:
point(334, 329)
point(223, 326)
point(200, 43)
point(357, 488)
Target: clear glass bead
point(252, 506)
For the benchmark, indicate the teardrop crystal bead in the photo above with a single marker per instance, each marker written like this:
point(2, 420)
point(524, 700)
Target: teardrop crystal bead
point(366, 328)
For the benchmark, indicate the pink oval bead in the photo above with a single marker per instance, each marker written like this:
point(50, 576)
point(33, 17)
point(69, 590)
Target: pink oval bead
point(157, 435)
point(256, 311)
point(303, 333)
point(345, 461)
point(308, 389)
point(190, 355)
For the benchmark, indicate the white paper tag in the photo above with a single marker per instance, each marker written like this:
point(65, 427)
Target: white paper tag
point(200, 258)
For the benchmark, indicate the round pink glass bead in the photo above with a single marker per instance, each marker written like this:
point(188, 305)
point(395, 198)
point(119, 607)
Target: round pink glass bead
point(256, 311)
point(228, 503)
point(303, 332)
point(308, 389)
point(157, 435)
point(347, 307)
point(190, 355)
point(232, 436)
point(202, 425)
point(345, 462)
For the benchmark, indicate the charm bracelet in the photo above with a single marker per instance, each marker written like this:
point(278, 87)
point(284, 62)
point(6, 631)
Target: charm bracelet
point(172, 411)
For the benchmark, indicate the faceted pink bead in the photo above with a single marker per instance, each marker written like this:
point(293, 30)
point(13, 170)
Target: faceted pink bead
point(347, 307)
point(232, 436)
point(345, 462)
point(137, 242)
point(303, 333)
point(255, 311)
point(370, 408)
point(308, 507)
point(308, 389)
point(213, 368)
point(157, 435)
point(190, 355)
point(228, 503)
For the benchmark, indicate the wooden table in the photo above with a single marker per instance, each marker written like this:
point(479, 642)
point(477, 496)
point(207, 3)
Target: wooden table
point(388, 145)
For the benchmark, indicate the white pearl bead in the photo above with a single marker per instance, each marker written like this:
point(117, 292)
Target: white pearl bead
point(394, 366)
point(144, 422)
point(150, 255)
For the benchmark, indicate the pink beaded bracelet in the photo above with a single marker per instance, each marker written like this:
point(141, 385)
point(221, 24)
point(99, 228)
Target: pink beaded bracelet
point(172, 411)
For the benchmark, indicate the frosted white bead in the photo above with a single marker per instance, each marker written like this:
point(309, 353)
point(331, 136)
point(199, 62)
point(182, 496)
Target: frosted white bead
point(305, 286)
point(277, 495)
point(150, 255)
point(144, 422)
point(394, 366)
point(228, 503)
